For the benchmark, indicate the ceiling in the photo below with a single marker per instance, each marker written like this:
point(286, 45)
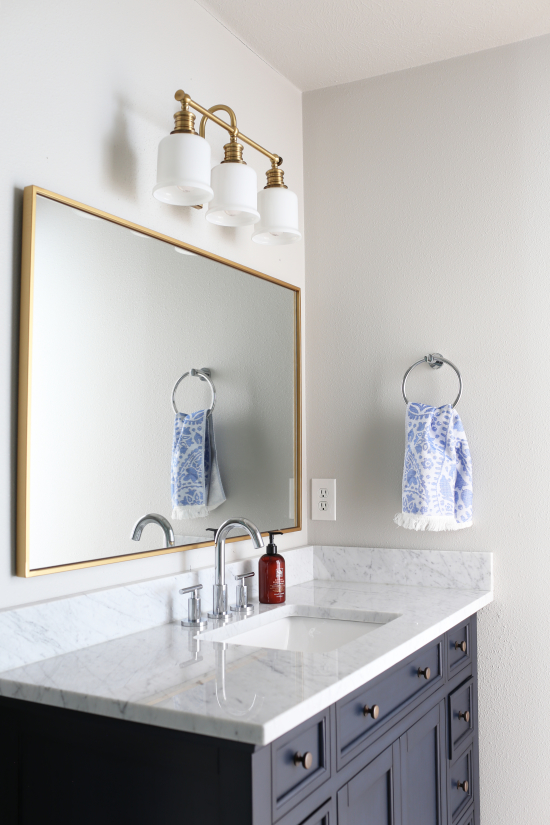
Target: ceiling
point(319, 43)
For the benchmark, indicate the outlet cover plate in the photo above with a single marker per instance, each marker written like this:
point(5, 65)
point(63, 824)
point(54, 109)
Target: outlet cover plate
point(323, 499)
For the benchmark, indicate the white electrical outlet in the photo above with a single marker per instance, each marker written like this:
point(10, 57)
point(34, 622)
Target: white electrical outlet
point(323, 499)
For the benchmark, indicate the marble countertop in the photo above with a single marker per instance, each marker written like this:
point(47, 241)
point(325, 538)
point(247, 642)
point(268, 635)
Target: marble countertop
point(161, 676)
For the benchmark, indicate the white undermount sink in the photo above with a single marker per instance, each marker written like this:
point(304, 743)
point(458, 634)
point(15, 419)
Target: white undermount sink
point(301, 628)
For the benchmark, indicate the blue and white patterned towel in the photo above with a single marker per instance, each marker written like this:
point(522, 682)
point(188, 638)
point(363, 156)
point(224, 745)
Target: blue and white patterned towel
point(196, 483)
point(437, 475)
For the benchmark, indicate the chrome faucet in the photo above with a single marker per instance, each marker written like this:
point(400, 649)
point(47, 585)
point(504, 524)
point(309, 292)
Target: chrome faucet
point(219, 605)
point(163, 523)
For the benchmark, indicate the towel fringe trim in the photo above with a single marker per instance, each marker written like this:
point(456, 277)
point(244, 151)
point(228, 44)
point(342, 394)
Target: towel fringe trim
point(191, 511)
point(432, 523)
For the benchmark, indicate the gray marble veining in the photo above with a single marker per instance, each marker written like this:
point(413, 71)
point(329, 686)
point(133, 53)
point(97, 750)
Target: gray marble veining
point(39, 631)
point(428, 568)
point(166, 676)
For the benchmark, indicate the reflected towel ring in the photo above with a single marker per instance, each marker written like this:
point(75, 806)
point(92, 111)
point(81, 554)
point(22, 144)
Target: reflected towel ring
point(435, 360)
point(204, 375)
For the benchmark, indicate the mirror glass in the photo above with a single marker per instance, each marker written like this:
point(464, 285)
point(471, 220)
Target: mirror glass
point(117, 316)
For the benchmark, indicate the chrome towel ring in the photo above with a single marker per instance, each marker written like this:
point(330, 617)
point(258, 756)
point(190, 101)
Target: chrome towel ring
point(204, 375)
point(435, 360)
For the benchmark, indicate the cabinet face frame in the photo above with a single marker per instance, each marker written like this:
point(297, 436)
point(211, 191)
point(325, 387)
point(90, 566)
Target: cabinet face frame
point(347, 753)
point(23, 560)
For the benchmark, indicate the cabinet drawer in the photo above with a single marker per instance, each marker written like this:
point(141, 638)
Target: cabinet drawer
point(300, 763)
point(460, 777)
point(461, 716)
point(460, 642)
point(368, 709)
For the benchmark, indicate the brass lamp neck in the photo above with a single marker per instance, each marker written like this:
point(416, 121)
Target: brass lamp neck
point(184, 120)
point(275, 177)
point(233, 151)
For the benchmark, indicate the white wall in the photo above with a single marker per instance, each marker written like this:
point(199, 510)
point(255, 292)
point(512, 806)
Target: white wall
point(428, 226)
point(87, 95)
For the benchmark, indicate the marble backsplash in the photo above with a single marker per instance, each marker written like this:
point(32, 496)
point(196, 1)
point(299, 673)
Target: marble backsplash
point(39, 631)
point(426, 568)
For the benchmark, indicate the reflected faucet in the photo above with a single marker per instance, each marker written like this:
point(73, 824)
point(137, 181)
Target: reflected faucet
point(219, 604)
point(232, 707)
point(163, 523)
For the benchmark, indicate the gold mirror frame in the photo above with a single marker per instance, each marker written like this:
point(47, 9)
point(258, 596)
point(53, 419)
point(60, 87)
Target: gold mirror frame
point(25, 377)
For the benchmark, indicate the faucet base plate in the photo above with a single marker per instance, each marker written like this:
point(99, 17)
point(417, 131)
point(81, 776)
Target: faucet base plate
point(244, 611)
point(220, 617)
point(201, 624)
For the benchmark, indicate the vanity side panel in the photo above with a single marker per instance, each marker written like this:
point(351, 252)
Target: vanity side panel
point(9, 773)
point(78, 767)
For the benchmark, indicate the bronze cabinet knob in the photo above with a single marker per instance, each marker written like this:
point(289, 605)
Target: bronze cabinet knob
point(306, 761)
point(426, 673)
point(460, 646)
point(464, 715)
point(373, 711)
point(463, 785)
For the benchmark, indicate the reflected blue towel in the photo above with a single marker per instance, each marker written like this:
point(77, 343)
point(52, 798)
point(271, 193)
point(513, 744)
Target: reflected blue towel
point(196, 483)
point(437, 475)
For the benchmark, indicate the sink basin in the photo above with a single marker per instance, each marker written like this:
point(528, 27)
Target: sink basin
point(301, 628)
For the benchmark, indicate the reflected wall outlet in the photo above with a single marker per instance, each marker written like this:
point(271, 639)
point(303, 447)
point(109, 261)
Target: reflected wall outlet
point(323, 499)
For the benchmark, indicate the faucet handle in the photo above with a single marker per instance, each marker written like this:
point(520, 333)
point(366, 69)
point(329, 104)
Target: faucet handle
point(194, 618)
point(241, 605)
point(195, 587)
point(241, 576)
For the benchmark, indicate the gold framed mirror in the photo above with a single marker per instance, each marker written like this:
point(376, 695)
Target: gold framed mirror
point(112, 315)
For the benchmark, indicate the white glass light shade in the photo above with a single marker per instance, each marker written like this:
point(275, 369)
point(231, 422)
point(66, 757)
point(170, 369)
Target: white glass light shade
point(183, 170)
point(279, 217)
point(235, 198)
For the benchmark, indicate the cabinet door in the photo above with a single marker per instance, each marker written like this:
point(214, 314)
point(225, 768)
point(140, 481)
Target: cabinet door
point(422, 763)
point(371, 797)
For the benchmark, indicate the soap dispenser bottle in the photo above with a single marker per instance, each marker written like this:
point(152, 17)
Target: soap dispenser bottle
point(271, 574)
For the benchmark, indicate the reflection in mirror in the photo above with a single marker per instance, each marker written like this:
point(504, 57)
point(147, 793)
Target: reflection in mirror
point(115, 317)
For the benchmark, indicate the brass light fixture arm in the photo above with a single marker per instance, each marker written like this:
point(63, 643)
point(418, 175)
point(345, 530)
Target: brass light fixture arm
point(208, 114)
point(233, 131)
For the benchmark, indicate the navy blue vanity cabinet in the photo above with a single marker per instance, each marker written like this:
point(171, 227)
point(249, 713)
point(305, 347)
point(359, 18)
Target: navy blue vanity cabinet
point(422, 750)
point(400, 750)
point(373, 795)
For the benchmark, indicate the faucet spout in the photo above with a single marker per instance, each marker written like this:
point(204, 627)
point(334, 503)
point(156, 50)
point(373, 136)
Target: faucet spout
point(163, 523)
point(219, 608)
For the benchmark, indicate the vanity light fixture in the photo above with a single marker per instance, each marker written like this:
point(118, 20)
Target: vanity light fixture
point(184, 177)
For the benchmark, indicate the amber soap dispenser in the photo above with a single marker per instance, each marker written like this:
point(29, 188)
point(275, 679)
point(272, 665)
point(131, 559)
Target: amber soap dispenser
point(271, 574)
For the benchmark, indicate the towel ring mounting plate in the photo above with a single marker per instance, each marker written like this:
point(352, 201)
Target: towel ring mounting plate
point(435, 360)
point(204, 375)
